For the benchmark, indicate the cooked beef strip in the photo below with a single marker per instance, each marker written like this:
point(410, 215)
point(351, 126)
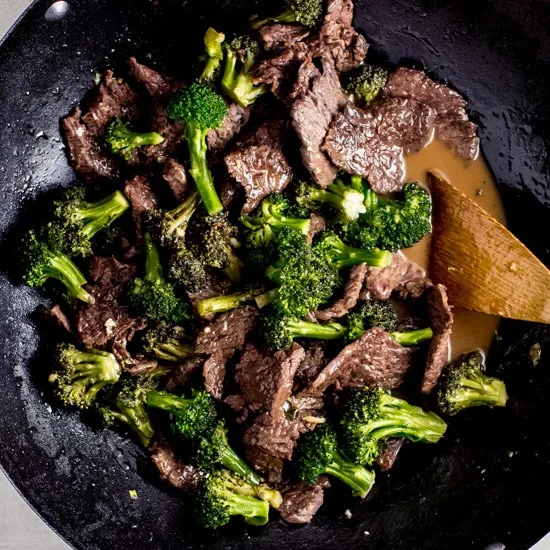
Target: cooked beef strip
point(237, 117)
point(375, 359)
point(238, 404)
point(388, 454)
point(441, 318)
point(278, 36)
point(57, 316)
point(172, 469)
point(452, 125)
point(213, 372)
point(266, 379)
point(414, 282)
point(350, 297)
point(172, 132)
point(141, 196)
point(231, 193)
point(301, 501)
point(175, 176)
point(317, 225)
point(311, 116)
point(259, 163)
point(156, 84)
point(139, 365)
point(307, 410)
point(353, 144)
point(86, 156)
point(312, 364)
point(182, 373)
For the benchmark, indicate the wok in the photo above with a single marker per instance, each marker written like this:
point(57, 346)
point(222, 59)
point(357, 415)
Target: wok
point(487, 482)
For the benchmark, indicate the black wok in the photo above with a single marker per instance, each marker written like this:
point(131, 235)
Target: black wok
point(488, 481)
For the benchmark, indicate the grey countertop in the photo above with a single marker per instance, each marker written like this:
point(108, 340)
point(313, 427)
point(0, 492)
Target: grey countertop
point(20, 527)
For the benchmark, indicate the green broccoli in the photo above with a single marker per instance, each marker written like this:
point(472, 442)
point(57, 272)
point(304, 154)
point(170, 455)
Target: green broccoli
point(370, 416)
point(213, 41)
point(152, 296)
point(75, 221)
point(308, 13)
point(202, 109)
point(222, 495)
point(128, 406)
point(80, 375)
point(39, 263)
point(463, 384)
point(191, 417)
point(219, 304)
point(168, 342)
point(237, 81)
point(365, 82)
point(122, 141)
point(318, 454)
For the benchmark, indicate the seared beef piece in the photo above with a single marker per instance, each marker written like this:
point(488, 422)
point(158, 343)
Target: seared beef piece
point(441, 318)
point(270, 441)
point(313, 363)
point(278, 36)
point(114, 99)
point(213, 372)
point(141, 196)
point(350, 297)
point(317, 225)
point(311, 116)
point(110, 273)
point(231, 193)
point(259, 163)
point(414, 282)
point(266, 379)
point(238, 404)
point(388, 454)
point(87, 157)
point(405, 123)
point(353, 144)
point(237, 117)
point(181, 374)
point(307, 410)
point(375, 359)
point(452, 125)
point(57, 316)
point(172, 469)
point(156, 84)
point(172, 132)
point(175, 176)
point(339, 39)
point(301, 501)
point(140, 366)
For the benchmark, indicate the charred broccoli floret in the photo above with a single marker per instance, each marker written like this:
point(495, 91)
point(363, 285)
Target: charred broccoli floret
point(213, 44)
point(202, 109)
point(168, 342)
point(464, 384)
point(370, 416)
point(365, 82)
point(122, 141)
point(308, 13)
point(80, 375)
point(318, 454)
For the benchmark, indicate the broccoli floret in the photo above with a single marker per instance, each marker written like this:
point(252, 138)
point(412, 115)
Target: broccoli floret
point(306, 12)
point(219, 304)
point(342, 255)
point(184, 268)
point(318, 454)
point(168, 342)
point(213, 43)
point(128, 407)
point(122, 141)
point(222, 495)
point(202, 109)
point(346, 201)
point(191, 417)
point(270, 217)
point(39, 263)
point(278, 332)
point(152, 296)
point(75, 221)
point(237, 81)
point(463, 384)
point(370, 416)
point(80, 375)
point(365, 82)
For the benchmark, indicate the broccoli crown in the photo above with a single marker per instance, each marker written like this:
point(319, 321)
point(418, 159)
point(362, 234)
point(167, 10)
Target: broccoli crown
point(227, 302)
point(369, 314)
point(463, 384)
point(198, 105)
point(191, 417)
point(213, 41)
point(317, 454)
point(223, 495)
point(365, 82)
point(39, 263)
point(306, 12)
point(152, 296)
point(278, 332)
point(270, 217)
point(168, 342)
point(122, 141)
point(346, 201)
point(80, 375)
point(341, 255)
point(370, 416)
point(185, 269)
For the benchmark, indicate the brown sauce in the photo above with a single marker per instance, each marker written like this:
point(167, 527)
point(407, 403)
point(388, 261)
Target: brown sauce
point(474, 178)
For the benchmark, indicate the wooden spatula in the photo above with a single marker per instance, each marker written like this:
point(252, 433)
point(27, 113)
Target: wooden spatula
point(483, 265)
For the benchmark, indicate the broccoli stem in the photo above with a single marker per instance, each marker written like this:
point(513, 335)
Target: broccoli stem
point(138, 421)
point(357, 477)
point(219, 304)
point(347, 256)
point(306, 329)
point(172, 352)
point(181, 215)
point(265, 299)
point(62, 268)
point(98, 215)
point(413, 337)
point(213, 44)
point(153, 269)
point(252, 509)
point(484, 390)
point(233, 462)
point(167, 401)
point(196, 139)
point(287, 16)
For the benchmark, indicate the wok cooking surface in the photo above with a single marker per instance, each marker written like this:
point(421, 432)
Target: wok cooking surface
point(487, 482)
